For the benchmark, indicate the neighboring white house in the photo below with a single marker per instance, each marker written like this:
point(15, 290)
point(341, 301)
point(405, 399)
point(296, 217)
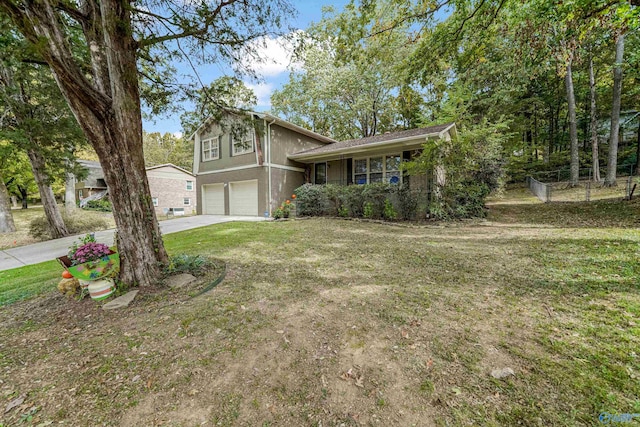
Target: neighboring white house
point(172, 188)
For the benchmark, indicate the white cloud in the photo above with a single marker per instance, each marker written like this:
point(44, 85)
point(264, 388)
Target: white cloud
point(177, 134)
point(272, 56)
point(263, 92)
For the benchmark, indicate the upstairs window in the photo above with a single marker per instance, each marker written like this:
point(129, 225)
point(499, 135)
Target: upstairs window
point(211, 149)
point(189, 185)
point(155, 201)
point(243, 144)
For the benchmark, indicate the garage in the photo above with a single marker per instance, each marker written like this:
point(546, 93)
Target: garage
point(243, 198)
point(213, 199)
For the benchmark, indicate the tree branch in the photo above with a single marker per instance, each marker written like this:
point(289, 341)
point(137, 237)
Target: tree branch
point(200, 31)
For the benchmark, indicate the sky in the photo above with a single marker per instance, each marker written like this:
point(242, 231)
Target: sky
point(274, 72)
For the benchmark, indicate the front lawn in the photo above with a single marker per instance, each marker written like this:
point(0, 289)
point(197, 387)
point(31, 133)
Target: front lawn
point(333, 322)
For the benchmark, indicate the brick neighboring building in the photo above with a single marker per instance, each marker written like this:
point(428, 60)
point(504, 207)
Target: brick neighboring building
point(172, 188)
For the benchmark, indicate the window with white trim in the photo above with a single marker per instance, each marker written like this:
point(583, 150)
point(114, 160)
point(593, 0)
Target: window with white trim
point(211, 149)
point(377, 169)
point(189, 185)
point(155, 201)
point(187, 201)
point(243, 144)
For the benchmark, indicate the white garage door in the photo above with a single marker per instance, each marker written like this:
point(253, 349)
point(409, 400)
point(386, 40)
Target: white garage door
point(213, 199)
point(243, 198)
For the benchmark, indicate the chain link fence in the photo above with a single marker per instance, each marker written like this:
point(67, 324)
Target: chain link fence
point(585, 190)
point(585, 174)
point(539, 189)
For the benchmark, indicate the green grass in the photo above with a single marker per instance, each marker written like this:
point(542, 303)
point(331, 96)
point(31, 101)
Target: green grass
point(423, 313)
point(596, 214)
point(25, 282)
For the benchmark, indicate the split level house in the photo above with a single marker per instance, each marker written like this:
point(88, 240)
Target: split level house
point(253, 173)
point(173, 189)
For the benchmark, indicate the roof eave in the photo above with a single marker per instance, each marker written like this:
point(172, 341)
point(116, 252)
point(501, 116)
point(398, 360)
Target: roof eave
point(401, 142)
point(170, 165)
point(296, 128)
point(278, 121)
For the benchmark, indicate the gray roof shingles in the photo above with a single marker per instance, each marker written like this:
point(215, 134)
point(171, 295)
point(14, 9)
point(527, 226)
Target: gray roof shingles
point(386, 137)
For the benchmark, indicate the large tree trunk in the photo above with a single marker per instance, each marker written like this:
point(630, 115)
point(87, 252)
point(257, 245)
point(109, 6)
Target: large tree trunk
point(6, 218)
point(57, 228)
point(573, 127)
point(70, 194)
point(595, 161)
point(612, 163)
point(107, 107)
point(23, 196)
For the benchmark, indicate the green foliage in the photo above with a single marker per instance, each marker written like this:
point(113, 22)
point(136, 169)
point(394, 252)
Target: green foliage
point(284, 211)
point(160, 149)
point(311, 200)
point(368, 210)
point(375, 201)
point(102, 205)
point(389, 211)
point(350, 84)
point(224, 93)
point(407, 202)
point(466, 170)
point(352, 199)
point(183, 263)
point(77, 223)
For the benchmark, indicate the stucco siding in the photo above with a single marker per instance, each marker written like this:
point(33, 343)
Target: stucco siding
point(226, 159)
point(285, 141)
point(284, 183)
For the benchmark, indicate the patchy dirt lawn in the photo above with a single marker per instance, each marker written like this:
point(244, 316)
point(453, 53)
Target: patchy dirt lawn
point(330, 322)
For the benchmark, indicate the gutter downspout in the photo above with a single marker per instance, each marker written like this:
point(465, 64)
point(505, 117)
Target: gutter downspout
point(269, 164)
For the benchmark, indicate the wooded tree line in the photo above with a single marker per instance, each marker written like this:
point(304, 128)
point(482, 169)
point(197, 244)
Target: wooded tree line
point(558, 74)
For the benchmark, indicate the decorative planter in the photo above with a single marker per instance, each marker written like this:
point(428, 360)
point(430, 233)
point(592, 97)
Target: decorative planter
point(93, 270)
point(101, 289)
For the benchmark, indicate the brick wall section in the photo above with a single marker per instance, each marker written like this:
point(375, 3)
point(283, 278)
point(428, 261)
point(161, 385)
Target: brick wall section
point(169, 185)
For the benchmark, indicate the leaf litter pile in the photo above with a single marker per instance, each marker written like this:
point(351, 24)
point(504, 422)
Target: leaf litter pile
point(329, 322)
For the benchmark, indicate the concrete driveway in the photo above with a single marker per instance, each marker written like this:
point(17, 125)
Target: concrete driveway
point(51, 249)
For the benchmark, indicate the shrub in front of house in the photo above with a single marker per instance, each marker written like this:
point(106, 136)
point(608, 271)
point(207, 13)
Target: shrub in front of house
point(312, 200)
point(102, 205)
point(373, 201)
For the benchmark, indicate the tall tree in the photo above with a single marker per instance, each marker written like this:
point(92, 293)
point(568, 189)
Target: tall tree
point(612, 163)
point(37, 120)
point(102, 86)
point(6, 218)
point(349, 82)
point(593, 124)
point(573, 124)
point(167, 148)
